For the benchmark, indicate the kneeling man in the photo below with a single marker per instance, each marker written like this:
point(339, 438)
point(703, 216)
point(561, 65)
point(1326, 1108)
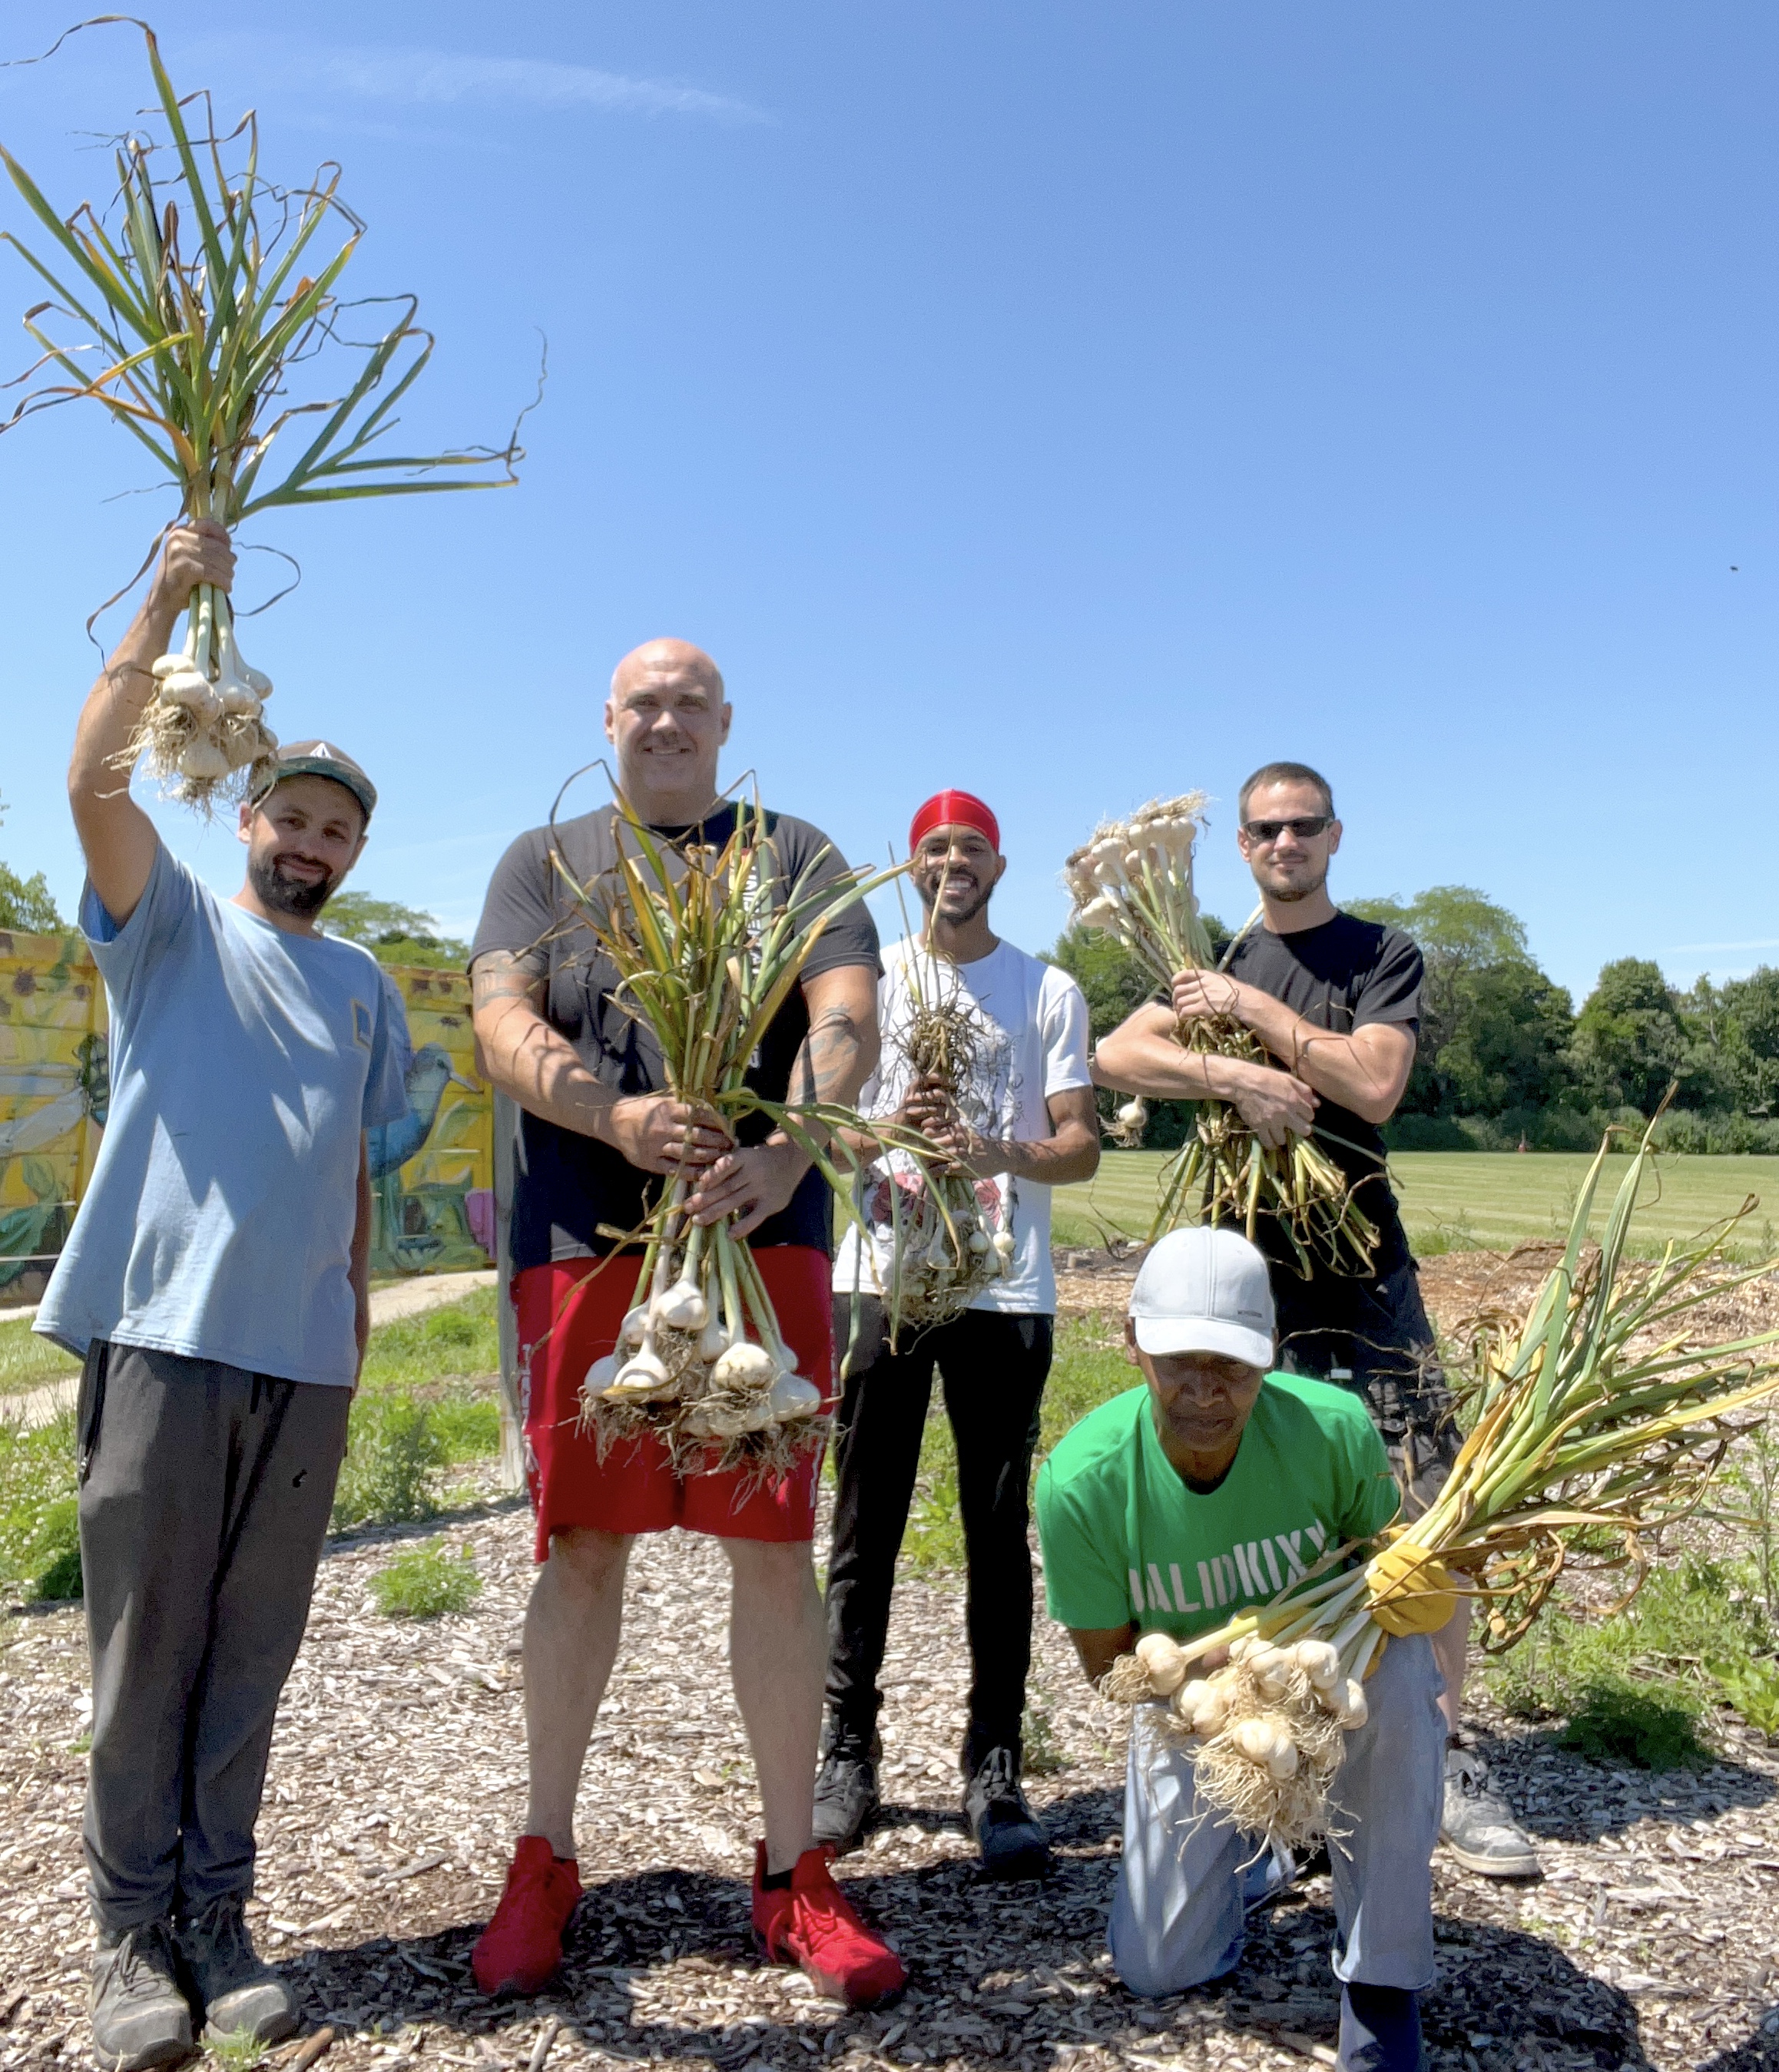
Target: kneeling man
point(1168, 1510)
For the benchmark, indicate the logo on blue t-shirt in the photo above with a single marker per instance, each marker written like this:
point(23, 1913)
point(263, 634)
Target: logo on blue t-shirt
point(361, 1024)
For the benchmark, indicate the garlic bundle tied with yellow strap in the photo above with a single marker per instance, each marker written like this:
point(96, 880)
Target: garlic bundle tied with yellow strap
point(1597, 1419)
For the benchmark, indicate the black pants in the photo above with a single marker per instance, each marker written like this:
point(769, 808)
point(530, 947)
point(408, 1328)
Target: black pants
point(1372, 1336)
point(992, 1367)
point(204, 1496)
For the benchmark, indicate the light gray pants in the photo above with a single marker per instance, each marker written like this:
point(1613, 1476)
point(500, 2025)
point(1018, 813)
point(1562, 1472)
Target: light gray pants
point(1177, 1913)
point(204, 1496)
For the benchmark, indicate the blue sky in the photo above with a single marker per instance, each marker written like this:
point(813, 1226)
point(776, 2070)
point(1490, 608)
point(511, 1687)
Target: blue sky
point(1071, 403)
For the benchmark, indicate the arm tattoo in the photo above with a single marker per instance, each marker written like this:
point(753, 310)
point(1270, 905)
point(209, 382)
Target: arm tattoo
point(827, 1057)
point(499, 975)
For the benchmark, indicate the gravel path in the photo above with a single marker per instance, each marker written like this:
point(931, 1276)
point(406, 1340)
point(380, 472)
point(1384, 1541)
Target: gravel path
point(397, 1782)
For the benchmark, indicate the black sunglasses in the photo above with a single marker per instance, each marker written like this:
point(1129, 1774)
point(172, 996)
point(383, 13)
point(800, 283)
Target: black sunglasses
point(1306, 828)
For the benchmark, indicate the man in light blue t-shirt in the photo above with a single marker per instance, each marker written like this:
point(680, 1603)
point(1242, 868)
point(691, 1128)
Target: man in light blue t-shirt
point(215, 1285)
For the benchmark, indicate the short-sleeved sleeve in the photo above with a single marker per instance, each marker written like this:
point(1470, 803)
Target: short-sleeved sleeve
point(1062, 1013)
point(1085, 1583)
point(391, 1052)
point(1392, 990)
point(168, 903)
point(812, 866)
point(1372, 1498)
point(519, 913)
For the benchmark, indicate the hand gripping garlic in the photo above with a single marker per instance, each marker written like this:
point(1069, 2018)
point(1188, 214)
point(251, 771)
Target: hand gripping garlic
point(1162, 1657)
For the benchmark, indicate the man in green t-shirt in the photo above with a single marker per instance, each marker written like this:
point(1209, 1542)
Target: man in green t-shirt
point(1178, 1503)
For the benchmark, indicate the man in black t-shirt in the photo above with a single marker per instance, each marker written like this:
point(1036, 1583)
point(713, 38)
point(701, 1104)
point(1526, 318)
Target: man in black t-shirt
point(599, 1134)
point(1335, 1000)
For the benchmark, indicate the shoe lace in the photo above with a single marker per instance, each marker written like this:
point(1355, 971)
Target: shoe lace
point(825, 1920)
point(997, 1779)
point(146, 1953)
point(220, 1930)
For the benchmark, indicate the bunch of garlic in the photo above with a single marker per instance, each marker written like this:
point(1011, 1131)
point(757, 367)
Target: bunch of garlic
point(1155, 844)
point(1288, 1683)
point(943, 1265)
point(214, 726)
point(680, 1349)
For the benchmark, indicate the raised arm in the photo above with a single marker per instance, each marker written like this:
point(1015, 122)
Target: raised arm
point(541, 1069)
point(116, 837)
point(1365, 1071)
point(1143, 1056)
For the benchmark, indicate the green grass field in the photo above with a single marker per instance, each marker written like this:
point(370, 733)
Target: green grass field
point(1457, 1201)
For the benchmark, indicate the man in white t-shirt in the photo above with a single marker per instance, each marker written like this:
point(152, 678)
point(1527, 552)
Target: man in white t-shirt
point(1024, 1123)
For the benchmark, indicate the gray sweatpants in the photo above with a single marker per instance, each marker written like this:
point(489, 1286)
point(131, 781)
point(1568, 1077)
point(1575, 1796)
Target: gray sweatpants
point(1184, 1876)
point(204, 1496)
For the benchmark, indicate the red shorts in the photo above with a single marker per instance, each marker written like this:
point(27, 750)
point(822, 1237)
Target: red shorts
point(569, 1316)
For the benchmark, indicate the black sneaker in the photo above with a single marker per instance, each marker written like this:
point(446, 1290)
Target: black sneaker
point(847, 1798)
point(140, 2017)
point(1012, 1842)
point(240, 1995)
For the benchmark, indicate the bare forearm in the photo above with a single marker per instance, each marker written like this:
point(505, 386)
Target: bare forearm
point(113, 707)
point(1364, 1072)
point(538, 1067)
point(1144, 1056)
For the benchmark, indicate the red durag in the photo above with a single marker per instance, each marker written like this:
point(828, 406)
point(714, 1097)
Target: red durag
point(955, 809)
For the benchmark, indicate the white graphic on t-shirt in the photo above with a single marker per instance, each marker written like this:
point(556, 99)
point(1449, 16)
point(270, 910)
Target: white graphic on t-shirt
point(1251, 1568)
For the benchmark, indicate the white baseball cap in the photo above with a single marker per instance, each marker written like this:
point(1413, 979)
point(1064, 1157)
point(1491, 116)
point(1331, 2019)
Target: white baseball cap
point(1205, 1291)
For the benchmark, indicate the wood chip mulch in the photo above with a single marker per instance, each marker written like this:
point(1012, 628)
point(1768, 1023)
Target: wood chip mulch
point(396, 1784)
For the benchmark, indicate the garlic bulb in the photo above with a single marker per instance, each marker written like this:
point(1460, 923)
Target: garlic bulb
point(713, 1340)
point(1211, 1712)
point(793, 1397)
point(744, 1367)
point(601, 1374)
point(1165, 1661)
point(635, 1327)
point(978, 1240)
point(1003, 1246)
point(642, 1376)
point(1267, 1740)
point(202, 760)
point(682, 1308)
point(1319, 1661)
point(1348, 1703)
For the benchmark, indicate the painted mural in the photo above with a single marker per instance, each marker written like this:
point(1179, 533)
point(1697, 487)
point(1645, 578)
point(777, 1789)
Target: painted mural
point(432, 1172)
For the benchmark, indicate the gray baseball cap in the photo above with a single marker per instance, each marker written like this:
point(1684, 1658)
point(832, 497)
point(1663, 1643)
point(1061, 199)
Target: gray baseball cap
point(321, 758)
point(1205, 1291)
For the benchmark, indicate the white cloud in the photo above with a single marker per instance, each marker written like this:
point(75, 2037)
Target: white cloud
point(439, 79)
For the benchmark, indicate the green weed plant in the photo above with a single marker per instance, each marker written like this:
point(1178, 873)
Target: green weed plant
point(426, 1582)
point(39, 1535)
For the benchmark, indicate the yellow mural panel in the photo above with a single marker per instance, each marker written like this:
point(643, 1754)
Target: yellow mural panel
point(432, 1172)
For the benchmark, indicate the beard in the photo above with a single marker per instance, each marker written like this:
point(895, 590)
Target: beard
point(289, 895)
point(956, 915)
point(1289, 894)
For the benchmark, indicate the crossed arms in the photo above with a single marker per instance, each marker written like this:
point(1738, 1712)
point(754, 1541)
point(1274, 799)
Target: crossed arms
point(1365, 1071)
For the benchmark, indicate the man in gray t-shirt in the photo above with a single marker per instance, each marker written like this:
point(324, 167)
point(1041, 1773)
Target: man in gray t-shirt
point(214, 1283)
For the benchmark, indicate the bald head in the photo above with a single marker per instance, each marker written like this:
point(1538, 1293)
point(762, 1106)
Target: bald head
point(668, 719)
point(666, 659)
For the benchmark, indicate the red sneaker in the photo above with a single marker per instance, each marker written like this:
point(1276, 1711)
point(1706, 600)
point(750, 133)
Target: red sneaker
point(813, 1926)
point(520, 1949)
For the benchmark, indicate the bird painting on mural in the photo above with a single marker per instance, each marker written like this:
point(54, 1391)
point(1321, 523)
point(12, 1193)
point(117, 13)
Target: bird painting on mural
point(391, 1145)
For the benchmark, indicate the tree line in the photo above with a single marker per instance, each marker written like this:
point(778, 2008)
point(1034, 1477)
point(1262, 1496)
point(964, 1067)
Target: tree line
point(1504, 1056)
